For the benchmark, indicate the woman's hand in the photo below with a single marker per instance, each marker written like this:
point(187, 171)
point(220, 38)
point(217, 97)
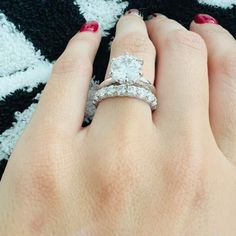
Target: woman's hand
point(132, 172)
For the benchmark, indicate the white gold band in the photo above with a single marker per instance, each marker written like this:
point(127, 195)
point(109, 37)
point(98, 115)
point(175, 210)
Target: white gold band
point(125, 90)
point(141, 83)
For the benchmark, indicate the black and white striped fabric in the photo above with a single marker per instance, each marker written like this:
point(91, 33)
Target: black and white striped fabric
point(33, 33)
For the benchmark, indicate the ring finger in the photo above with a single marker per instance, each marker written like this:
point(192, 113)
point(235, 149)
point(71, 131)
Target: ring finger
point(131, 37)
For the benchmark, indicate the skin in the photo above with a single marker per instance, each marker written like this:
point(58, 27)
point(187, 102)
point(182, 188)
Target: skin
point(131, 172)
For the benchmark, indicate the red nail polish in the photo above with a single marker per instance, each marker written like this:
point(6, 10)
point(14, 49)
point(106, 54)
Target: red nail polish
point(90, 26)
point(204, 18)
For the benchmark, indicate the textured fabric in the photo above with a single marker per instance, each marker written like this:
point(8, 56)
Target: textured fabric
point(33, 33)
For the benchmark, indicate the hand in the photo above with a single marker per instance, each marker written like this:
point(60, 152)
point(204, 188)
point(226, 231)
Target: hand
point(131, 172)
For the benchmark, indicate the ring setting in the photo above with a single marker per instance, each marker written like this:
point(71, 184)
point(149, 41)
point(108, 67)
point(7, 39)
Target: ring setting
point(126, 80)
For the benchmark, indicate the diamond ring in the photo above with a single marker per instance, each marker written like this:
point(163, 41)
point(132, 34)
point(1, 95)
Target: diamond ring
point(125, 90)
point(126, 69)
point(126, 80)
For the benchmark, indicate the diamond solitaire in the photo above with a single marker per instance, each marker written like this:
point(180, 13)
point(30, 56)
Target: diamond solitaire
point(126, 69)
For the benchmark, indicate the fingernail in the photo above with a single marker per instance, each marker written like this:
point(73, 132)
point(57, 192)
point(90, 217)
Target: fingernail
point(204, 18)
point(154, 15)
point(135, 12)
point(90, 26)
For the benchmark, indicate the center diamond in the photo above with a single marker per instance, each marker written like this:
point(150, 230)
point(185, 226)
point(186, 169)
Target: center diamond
point(126, 68)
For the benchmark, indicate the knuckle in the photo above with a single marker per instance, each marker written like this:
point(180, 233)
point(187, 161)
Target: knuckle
point(52, 133)
point(127, 20)
point(161, 23)
point(126, 134)
point(185, 174)
point(68, 64)
point(75, 40)
point(165, 22)
point(134, 43)
point(82, 40)
point(118, 181)
point(228, 64)
point(218, 31)
point(38, 182)
point(228, 130)
point(115, 185)
point(186, 40)
point(40, 175)
point(44, 180)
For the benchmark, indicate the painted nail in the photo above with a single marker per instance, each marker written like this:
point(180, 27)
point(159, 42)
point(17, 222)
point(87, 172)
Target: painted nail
point(90, 26)
point(154, 15)
point(204, 18)
point(134, 12)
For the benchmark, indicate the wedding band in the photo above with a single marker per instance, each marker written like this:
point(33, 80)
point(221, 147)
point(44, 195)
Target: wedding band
point(124, 90)
point(140, 83)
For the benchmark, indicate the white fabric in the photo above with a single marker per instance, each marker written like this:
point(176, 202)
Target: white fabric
point(25, 79)
point(106, 12)
point(16, 53)
point(21, 66)
point(9, 138)
point(219, 3)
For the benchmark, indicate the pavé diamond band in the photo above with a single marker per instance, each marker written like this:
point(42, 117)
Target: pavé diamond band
point(126, 80)
point(124, 90)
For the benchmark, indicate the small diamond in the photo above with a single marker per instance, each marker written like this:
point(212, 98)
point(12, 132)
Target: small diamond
point(142, 93)
point(98, 93)
point(112, 89)
point(150, 98)
point(109, 92)
point(122, 90)
point(103, 92)
point(132, 90)
point(154, 103)
point(95, 97)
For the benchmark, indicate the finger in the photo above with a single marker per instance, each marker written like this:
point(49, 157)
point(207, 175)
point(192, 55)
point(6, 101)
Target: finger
point(132, 37)
point(221, 47)
point(182, 80)
point(63, 101)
